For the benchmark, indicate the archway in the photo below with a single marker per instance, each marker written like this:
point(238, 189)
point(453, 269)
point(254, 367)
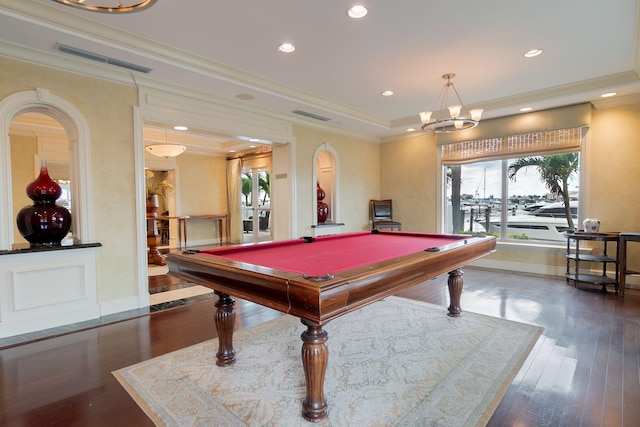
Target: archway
point(76, 128)
point(326, 173)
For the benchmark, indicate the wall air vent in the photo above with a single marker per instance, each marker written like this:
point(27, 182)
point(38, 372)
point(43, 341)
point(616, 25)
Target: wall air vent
point(311, 115)
point(100, 58)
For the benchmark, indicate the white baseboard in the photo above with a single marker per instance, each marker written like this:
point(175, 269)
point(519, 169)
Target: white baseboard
point(125, 304)
point(515, 267)
point(51, 319)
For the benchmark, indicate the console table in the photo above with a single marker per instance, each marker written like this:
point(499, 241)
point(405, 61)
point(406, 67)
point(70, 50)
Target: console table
point(221, 219)
point(606, 257)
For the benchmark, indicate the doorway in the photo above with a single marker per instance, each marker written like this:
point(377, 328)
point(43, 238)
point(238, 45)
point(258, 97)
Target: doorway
point(256, 206)
point(163, 184)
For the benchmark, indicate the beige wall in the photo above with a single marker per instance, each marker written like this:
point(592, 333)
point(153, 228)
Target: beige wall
point(614, 172)
point(107, 108)
point(613, 168)
point(359, 170)
point(23, 150)
point(409, 173)
point(203, 191)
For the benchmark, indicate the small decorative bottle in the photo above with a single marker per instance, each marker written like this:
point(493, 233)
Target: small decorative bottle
point(44, 223)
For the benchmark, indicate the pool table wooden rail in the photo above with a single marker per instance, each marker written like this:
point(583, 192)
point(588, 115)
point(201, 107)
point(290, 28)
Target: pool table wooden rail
point(321, 301)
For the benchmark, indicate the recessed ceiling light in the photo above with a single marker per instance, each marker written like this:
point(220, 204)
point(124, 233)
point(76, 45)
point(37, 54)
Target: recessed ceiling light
point(386, 93)
point(286, 48)
point(179, 127)
point(358, 11)
point(232, 151)
point(533, 52)
point(252, 146)
point(254, 140)
point(411, 130)
point(525, 109)
point(608, 95)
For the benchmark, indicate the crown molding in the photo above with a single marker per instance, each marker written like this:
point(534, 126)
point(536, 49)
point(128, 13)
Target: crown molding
point(65, 63)
point(616, 101)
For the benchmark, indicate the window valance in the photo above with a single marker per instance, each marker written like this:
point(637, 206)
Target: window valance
point(259, 162)
point(528, 144)
point(573, 116)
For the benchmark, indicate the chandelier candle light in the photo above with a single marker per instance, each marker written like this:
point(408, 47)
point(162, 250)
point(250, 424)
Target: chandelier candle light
point(458, 119)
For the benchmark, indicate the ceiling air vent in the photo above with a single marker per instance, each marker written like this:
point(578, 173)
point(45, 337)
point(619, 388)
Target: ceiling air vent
point(311, 115)
point(100, 58)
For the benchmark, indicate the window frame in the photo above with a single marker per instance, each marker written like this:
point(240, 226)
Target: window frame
point(582, 190)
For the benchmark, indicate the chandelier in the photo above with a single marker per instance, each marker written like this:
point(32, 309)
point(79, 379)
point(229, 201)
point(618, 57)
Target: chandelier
point(166, 149)
point(438, 121)
point(109, 6)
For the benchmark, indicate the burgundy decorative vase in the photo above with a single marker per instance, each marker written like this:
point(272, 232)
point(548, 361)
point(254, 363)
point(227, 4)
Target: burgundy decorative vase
point(323, 208)
point(44, 223)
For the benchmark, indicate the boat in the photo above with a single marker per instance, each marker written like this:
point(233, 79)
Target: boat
point(547, 223)
point(556, 210)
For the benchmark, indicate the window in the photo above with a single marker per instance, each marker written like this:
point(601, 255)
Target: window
point(522, 197)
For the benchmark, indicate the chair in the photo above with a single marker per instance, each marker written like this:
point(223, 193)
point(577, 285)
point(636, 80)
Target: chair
point(382, 215)
point(263, 221)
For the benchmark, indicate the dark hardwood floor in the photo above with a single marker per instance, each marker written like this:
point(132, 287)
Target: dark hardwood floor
point(584, 370)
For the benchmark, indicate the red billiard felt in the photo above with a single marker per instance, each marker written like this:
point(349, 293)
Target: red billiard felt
point(332, 254)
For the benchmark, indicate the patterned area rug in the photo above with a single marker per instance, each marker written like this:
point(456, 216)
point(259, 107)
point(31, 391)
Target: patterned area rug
point(396, 362)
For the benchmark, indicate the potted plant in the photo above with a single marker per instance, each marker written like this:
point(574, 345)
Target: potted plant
point(156, 190)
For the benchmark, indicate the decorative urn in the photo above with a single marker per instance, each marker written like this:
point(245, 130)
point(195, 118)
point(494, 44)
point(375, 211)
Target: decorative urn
point(323, 208)
point(44, 223)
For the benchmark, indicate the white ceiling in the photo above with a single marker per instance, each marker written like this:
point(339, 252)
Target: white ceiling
point(340, 66)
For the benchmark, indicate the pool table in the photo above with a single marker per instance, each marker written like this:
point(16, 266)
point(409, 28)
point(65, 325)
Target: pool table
point(319, 279)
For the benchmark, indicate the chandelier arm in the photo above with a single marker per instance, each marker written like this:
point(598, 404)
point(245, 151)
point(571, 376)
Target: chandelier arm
point(458, 95)
point(440, 101)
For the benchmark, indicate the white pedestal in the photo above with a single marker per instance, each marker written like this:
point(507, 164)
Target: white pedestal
point(46, 289)
point(327, 229)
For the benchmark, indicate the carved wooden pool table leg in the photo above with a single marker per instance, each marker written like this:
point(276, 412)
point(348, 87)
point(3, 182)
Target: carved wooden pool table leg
point(315, 356)
point(455, 283)
point(225, 318)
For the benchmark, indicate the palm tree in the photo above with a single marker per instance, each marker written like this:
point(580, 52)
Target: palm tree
point(247, 185)
point(264, 182)
point(555, 171)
